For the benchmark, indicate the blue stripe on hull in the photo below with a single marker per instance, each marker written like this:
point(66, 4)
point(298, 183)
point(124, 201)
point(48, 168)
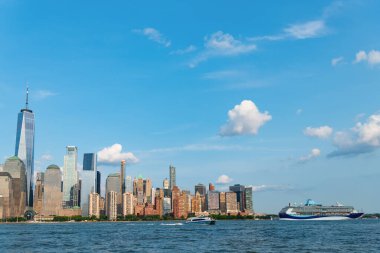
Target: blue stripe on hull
point(287, 216)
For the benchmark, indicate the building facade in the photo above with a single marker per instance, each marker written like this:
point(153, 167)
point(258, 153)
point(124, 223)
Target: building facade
point(173, 175)
point(70, 178)
point(88, 181)
point(25, 146)
point(112, 205)
point(94, 205)
point(52, 198)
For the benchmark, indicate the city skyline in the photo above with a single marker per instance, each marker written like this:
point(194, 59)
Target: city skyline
point(286, 105)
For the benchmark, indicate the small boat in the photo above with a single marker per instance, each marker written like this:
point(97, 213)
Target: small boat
point(201, 220)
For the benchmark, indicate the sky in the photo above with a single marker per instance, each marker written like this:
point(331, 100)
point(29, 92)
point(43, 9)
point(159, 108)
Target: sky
point(280, 97)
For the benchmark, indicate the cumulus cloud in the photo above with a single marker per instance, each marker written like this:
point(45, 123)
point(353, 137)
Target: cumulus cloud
point(114, 154)
point(362, 138)
point(372, 57)
point(222, 44)
point(154, 35)
point(315, 152)
point(336, 61)
point(244, 118)
point(322, 132)
point(223, 179)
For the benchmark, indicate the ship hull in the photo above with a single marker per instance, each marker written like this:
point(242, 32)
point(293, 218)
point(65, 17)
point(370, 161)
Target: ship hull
point(352, 216)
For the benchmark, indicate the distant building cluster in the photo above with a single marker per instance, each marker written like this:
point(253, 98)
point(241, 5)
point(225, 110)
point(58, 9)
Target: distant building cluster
point(65, 192)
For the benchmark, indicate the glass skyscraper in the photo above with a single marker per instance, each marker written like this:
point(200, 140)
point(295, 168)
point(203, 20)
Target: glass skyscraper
point(70, 178)
point(88, 181)
point(25, 146)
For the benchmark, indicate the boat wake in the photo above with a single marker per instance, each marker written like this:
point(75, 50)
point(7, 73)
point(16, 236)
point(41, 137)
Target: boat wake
point(171, 224)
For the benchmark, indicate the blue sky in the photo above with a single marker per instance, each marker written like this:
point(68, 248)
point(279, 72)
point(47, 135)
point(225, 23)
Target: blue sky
point(283, 98)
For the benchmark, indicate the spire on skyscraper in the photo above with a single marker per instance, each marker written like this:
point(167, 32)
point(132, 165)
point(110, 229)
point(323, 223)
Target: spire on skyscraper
point(27, 97)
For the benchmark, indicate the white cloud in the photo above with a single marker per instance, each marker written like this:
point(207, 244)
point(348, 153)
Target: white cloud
point(362, 138)
point(372, 57)
point(322, 132)
point(222, 44)
point(46, 157)
point(187, 50)
point(336, 61)
point(154, 35)
point(315, 152)
point(114, 155)
point(244, 118)
point(310, 29)
point(224, 179)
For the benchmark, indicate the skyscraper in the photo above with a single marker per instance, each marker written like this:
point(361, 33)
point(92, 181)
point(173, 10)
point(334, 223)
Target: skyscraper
point(201, 188)
point(98, 182)
point(122, 178)
point(240, 195)
point(112, 205)
point(248, 199)
point(172, 175)
point(52, 191)
point(129, 184)
point(88, 181)
point(25, 146)
point(213, 201)
point(16, 168)
point(70, 178)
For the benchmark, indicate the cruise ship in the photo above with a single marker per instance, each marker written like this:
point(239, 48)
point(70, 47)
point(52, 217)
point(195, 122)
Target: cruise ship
point(313, 211)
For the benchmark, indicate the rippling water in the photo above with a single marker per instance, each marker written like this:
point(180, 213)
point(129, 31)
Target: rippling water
point(232, 236)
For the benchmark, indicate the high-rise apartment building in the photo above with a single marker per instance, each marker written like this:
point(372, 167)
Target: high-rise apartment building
point(231, 203)
point(112, 205)
point(52, 198)
point(25, 146)
point(213, 201)
point(167, 205)
point(128, 203)
point(98, 182)
point(172, 174)
point(70, 178)
point(94, 205)
point(222, 202)
point(140, 191)
point(148, 190)
point(16, 168)
point(88, 181)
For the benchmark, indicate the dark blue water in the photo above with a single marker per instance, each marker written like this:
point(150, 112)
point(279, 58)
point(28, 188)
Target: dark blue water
point(232, 236)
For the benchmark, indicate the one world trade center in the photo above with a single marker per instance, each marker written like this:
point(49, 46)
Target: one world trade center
point(25, 146)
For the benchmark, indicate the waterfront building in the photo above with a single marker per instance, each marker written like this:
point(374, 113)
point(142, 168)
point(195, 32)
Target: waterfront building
point(25, 146)
point(240, 195)
point(159, 204)
point(196, 203)
point(129, 184)
point(94, 205)
point(127, 203)
point(88, 181)
point(148, 190)
point(153, 190)
point(6, 193)
point(231, 203)
point(211, 187)
point(102, 206)
point(52, 198)
point(70, 178)
point(201, 189)
point(98, 182)
point(222, 202)
point(16, 168)
point(167, 205)
point(172, 174)
point(213, 201)
point(112, 205)
point(248, 200)
point(122, 187)
point(140, 191)
point(38, 193)
point(178, 201)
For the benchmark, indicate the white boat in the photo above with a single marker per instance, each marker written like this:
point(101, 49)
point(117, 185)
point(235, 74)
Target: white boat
point(201, 220)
